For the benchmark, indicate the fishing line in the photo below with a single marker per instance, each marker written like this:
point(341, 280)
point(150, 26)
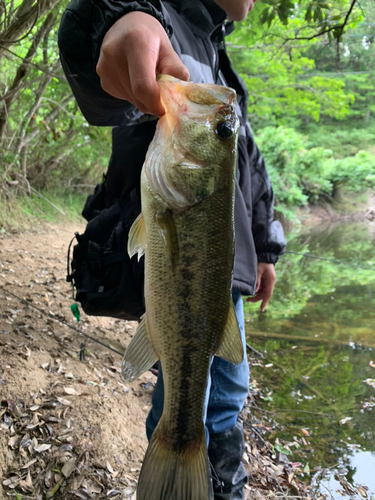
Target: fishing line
point(60, 321)
point(335, 261)
point(249, 347)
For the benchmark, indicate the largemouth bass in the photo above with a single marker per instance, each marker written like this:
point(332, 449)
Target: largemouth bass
point(186, 231)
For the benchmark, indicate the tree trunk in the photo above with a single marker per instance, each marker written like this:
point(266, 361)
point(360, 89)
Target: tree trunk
point(22, 20)
point(22, 73)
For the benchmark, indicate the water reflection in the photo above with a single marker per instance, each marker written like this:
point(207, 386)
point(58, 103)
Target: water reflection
point(318, 334)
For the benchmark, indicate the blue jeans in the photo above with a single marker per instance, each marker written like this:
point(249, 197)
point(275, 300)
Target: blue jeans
point(227, 389)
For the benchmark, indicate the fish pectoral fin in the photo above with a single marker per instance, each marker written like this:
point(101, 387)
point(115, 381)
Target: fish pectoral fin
point(140, 355)
point(167, 231)
point(231, 347)
point(137, 237)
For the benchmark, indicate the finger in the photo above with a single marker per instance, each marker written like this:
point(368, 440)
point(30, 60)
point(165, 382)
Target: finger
point(119, 87)
point(170, 64)
point(266, 295)
point(256, 298)
point(143, 82)
point(114, 90)
point(264, 303)
point(259, 281)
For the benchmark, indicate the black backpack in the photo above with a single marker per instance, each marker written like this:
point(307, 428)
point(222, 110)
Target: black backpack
point(106, 281)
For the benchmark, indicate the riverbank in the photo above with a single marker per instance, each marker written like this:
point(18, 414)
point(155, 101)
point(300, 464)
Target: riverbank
point(70, 427)
point(17, 213)
point(346, 207)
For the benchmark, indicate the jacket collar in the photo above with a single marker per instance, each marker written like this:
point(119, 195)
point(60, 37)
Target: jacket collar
point(203, 16)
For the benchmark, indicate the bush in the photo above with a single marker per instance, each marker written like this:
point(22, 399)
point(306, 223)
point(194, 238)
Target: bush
point(301, 174)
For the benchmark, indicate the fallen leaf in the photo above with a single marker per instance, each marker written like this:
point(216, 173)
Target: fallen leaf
point(344, 420)
point(12, 441)
point(70, 390)
point(50, 493)
point(109, 467)
point(64, 401)
point(69, 467)
point(43, 447)
point(361, 490)
point(12, 482)
point(113, 493)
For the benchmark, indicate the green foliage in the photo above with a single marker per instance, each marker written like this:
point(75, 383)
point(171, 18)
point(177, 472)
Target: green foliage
point(302, 174)
point(45, 142)
point(356, 172)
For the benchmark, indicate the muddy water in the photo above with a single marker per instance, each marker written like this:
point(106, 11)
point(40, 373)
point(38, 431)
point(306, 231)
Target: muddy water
point(318, 338)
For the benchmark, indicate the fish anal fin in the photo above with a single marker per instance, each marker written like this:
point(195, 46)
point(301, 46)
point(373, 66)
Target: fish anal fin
point(231, 347)
point(169, 474)
point(140, 355)
point(137, 237)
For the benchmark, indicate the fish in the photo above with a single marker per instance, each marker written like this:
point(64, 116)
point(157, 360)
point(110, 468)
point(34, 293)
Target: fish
point(186, 233)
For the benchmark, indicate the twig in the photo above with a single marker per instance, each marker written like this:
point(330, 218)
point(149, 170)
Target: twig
point(346, 20)
point(288, 410)
point(248, 346)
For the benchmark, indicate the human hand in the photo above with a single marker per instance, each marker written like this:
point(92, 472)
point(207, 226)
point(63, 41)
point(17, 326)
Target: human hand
point(133, 51)
point(266, 280)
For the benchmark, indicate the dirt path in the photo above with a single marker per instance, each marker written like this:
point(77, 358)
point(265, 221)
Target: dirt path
point(83, 412)
point(72, 428)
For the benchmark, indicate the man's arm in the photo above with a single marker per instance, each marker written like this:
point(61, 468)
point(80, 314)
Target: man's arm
point(268, 234)
point(127, 44)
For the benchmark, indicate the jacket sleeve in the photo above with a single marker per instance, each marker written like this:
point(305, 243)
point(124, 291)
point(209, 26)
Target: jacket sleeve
point(82, 29)
point(268, 234)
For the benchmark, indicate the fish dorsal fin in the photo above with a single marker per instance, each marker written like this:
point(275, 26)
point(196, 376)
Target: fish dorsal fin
point(137, 237)
point(140, 355)
point(231, 347)
point(167, 230)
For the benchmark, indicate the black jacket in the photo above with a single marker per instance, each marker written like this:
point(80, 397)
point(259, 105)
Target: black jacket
point(196, 29)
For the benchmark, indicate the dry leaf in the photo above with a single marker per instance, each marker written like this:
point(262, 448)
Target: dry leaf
point(362, 491)
point(109, 467)
point(42, 447)
point(70, 390)
point(12, 482)
point(12, 441)
point(64, 401)
point(69, 467)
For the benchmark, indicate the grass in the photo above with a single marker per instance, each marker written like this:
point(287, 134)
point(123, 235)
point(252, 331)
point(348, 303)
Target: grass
point(18, 212)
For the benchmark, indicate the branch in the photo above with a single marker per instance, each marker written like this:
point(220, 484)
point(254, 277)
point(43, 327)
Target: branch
point(346, 20)
point(24, 22)
point(22, 72)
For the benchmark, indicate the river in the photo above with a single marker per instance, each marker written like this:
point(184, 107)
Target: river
point(318, 339)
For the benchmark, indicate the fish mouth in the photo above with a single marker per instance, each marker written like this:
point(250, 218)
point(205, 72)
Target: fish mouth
point(205, 94)
point(199, 102)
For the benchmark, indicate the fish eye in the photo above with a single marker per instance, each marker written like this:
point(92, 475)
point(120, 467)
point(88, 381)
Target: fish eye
point(224, 130)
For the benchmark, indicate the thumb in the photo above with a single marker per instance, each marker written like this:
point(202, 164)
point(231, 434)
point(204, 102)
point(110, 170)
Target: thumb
point(170, 64)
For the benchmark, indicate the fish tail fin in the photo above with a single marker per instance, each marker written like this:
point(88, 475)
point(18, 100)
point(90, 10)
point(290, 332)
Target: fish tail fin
point(168, 474)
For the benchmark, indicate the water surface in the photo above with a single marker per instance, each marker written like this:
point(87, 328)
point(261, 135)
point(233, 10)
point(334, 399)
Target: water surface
point(319, 336)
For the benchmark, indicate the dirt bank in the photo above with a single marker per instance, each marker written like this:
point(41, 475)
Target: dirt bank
point(72, 428)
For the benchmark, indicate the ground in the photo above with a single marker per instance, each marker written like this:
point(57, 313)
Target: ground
point(69, 427)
